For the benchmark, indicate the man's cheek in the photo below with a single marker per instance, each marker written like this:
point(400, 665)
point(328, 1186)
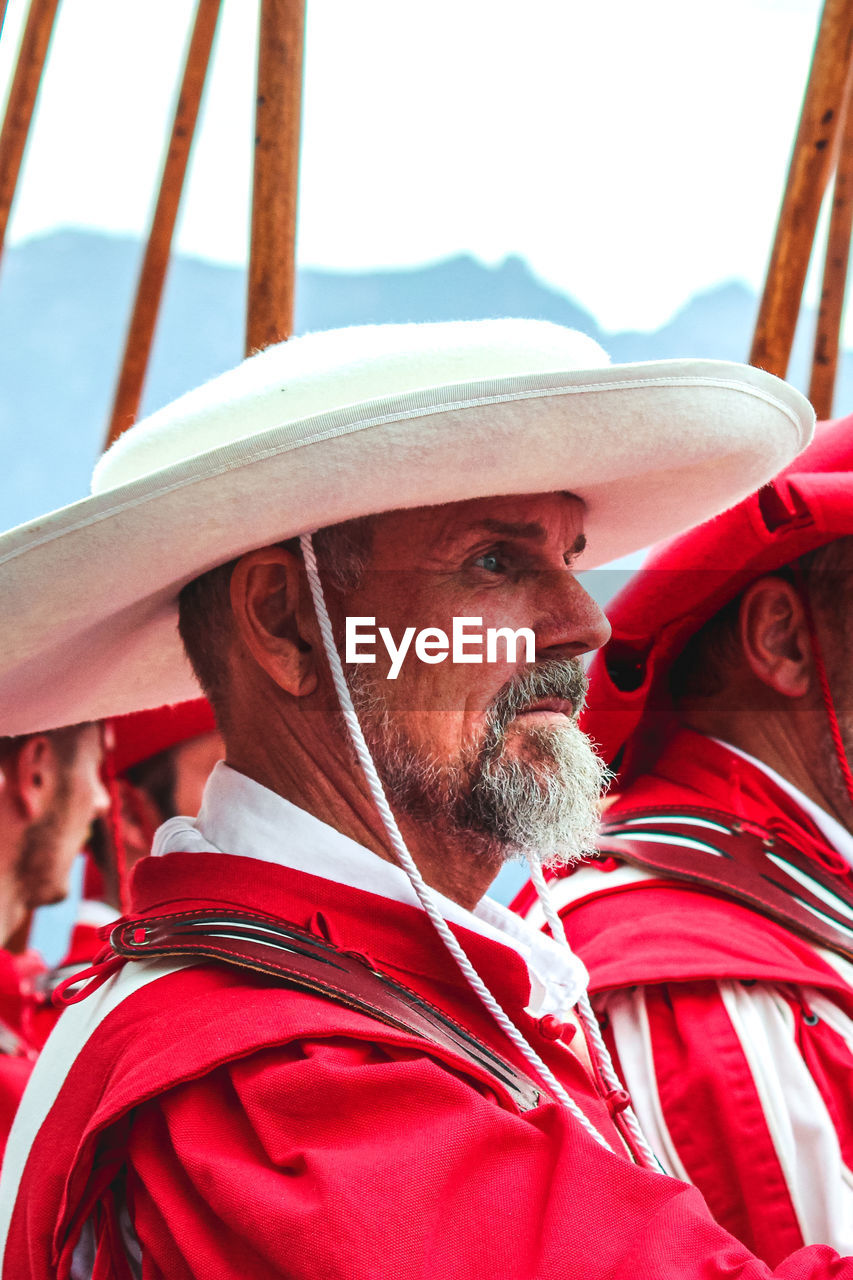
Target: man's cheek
point(440, 732)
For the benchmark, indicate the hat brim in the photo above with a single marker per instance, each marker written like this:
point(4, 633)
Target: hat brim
point(89, 593)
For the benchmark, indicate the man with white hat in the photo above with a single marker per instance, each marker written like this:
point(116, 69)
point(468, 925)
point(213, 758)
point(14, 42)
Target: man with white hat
point(314, 1048)
point(717, 927)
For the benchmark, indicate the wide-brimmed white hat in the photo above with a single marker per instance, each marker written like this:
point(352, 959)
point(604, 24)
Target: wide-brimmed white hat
point(346, 423)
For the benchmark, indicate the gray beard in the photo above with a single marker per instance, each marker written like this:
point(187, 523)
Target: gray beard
point(541, 802)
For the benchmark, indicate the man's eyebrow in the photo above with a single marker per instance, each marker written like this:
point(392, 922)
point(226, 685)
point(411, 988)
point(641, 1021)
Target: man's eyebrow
point(531, 530)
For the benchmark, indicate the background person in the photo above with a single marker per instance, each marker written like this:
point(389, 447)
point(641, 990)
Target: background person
point(50, 793)
point(722, 964)
point(160, 761)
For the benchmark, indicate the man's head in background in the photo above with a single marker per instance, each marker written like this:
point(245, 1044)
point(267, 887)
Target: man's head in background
point(174, 779)
point(50, 792)
point(741, 629)
point(750, 675)
point(161, 760)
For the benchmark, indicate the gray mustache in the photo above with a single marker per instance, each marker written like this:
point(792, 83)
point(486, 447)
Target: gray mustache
point(554, 678)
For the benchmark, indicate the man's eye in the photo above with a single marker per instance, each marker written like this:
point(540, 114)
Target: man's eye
point(491, 561)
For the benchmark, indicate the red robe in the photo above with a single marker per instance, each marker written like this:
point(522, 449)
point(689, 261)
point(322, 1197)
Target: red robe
point(18, 1038)
point(735, 1035)
point(83, 946)
point(248, 1130)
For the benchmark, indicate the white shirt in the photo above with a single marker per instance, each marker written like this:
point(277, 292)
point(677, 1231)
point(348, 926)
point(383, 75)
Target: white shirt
point(240, 816)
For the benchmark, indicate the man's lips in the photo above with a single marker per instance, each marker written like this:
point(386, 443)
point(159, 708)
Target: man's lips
point(549, 706)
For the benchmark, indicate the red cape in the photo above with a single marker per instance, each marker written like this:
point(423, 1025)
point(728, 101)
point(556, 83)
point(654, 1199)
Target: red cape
point(259, 1131)
point(662, 931)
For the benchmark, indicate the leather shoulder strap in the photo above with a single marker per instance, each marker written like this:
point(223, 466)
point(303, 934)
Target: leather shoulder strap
point(753, 865)
point(299, 959)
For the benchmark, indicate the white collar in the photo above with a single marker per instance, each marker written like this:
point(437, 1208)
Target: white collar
point(837, 835)
point(240, 816)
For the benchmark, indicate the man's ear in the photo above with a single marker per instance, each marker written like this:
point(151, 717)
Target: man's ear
point(273, 617)
point(31, 777)
point(775, 636)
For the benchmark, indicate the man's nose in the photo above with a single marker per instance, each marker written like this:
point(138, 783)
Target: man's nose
point(574, 622)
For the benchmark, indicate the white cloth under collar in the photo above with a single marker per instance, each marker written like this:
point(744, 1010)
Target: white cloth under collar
point(240, 816)
point(836, 834)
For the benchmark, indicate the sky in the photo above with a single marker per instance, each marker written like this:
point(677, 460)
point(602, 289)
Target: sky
point(632, 151)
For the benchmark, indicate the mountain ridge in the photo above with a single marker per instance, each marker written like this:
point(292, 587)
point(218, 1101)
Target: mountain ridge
point(65, 301)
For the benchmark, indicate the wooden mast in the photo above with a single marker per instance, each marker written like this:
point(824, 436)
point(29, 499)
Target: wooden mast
point(272, 252)
point(22, 101)
point(272, 257)
point(814, 155)
point(834, 285)
point(13, 141)
point(155, 264)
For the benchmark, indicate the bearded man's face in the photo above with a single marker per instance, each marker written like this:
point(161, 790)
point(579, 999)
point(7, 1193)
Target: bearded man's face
point(491, 750)
point(53, 841)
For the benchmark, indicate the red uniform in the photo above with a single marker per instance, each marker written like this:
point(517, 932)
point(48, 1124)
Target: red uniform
point(19, 976)
point(734, 1031)
point(735, 1035)
point(215, 1124)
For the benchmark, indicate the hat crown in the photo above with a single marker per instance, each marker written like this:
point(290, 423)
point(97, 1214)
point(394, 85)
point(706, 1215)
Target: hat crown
point(336, 369)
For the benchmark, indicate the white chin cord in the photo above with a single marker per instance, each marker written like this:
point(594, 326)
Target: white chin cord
point(427, 900)
point(589, 1020)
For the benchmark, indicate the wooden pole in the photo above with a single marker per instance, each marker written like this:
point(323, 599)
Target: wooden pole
point(808, 174)
point(834, 285)
point(155, 264)
point(272, 255)
point(3, 8)
point(22, 101)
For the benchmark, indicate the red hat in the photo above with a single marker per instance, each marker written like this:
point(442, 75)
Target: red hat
point(688, 579)
point(143, 734)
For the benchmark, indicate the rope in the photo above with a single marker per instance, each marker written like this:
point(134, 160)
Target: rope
point(422, 890)
point(590, 1022)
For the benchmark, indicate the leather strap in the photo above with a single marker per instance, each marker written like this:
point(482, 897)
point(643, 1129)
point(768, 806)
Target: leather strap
point(747, 862)
point(305, 961)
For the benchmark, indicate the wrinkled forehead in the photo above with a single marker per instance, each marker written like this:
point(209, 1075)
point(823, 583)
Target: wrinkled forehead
point(535, 517)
